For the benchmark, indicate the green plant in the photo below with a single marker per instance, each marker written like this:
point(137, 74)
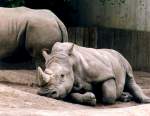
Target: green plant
point(14, 3)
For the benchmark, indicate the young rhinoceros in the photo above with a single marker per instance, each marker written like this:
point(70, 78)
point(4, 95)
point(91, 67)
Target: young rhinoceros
point(82, 73)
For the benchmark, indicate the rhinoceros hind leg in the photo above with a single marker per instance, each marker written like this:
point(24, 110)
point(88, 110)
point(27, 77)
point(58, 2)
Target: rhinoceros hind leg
point(87, 98)
point(109, 92)
point(136, 91)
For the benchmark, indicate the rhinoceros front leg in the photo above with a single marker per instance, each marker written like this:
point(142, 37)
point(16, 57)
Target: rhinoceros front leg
point(109, 94)
point(87, 98)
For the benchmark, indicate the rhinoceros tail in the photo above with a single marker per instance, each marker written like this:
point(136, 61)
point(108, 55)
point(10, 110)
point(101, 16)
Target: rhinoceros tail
point(63, 30)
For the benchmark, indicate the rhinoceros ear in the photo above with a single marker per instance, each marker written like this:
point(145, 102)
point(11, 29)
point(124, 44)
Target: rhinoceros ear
point(71, 49)
point(45, 54)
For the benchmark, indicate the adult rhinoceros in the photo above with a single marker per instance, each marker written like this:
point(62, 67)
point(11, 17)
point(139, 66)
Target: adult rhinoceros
point(79, 72)
point(32, 30)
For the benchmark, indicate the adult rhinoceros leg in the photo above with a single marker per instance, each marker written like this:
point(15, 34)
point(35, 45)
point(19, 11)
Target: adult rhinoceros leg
point(39, 62)
point(87, 98)
point(109, 93)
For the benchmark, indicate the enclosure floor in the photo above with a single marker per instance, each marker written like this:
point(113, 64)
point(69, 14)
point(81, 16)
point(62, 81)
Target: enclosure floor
point(21, 99)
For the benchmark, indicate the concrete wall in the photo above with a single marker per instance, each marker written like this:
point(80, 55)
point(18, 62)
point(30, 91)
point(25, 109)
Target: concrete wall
point(123, 25)
point(124, 14)
point(134, 45)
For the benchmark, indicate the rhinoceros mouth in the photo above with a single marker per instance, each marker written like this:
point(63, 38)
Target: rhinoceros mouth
point(42, 93)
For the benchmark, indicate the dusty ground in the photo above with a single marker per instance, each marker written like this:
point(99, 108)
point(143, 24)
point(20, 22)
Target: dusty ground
point(18, 97)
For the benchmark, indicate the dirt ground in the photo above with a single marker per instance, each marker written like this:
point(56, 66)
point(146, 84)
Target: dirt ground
point(18, 97)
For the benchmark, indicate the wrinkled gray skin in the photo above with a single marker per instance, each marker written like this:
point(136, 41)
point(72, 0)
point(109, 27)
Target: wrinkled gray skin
point(70, 68)
point(30, 29)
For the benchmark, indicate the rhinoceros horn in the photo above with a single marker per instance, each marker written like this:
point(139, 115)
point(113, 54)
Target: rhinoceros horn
point(43, 78)
point(45, 54)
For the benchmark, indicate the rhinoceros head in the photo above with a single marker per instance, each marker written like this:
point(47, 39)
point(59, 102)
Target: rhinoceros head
point(57, 79)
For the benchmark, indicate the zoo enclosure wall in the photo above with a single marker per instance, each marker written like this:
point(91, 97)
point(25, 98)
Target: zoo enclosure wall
point(134, 45)
point(122, 25)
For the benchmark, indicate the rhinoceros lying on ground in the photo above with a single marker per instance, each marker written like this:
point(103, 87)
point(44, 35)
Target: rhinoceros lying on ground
point(32, 30)
point(85, 73)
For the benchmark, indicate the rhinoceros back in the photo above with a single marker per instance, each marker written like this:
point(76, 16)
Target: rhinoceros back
point(62, 27)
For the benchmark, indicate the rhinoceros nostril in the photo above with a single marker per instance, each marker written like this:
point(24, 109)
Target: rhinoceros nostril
point(54, 93)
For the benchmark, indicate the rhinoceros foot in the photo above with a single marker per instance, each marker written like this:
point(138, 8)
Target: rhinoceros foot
point(126, 97)
point(89, 99)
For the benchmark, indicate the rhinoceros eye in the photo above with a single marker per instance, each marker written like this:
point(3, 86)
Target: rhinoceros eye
point(62, 75)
